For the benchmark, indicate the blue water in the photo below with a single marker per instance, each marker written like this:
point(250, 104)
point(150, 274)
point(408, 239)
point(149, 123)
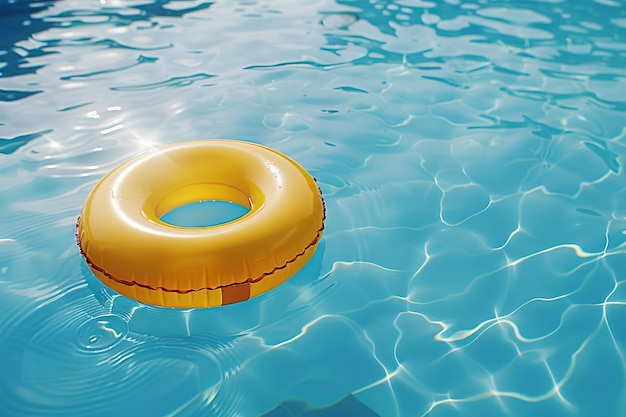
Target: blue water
point(471, 156)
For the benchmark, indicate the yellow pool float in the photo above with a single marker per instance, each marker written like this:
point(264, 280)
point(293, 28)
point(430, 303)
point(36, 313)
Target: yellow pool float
point(131, 250)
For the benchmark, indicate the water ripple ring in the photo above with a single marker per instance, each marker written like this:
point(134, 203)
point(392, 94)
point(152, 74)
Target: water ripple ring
point(131, 250)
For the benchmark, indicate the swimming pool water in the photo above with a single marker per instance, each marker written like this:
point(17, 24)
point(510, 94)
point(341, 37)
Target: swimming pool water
point(471, 157)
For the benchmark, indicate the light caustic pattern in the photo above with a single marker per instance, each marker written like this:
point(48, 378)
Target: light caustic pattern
point(471, 157)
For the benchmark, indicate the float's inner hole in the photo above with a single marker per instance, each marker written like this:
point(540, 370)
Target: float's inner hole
point(202, 205)
point(204, 213)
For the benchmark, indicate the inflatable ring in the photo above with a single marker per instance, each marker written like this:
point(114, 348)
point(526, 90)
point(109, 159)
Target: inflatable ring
point(129, 248)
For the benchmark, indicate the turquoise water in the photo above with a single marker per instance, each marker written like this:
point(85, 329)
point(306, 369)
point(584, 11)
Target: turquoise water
point(471, 157)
